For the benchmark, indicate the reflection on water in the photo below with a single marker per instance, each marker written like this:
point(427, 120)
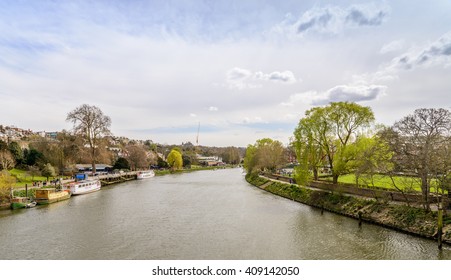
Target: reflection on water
point(200, 215)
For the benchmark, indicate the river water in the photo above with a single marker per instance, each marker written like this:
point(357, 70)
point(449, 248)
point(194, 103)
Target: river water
point(199, 215)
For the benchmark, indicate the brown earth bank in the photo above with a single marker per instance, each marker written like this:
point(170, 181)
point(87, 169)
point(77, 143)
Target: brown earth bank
point(400, 217)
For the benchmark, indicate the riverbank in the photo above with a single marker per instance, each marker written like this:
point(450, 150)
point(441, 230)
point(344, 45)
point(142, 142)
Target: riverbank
point(399, 217)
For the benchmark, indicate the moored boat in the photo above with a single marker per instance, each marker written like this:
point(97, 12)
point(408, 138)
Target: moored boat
point(145, 174)
point(47, 196)
point(31, 204)
point(85, 186)
point(19, 202)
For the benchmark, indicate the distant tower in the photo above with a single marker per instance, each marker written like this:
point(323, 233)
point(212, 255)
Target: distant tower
point(197, 137)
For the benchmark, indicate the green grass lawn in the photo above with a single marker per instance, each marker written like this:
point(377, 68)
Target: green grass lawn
point(23, 178)
point(382, 181)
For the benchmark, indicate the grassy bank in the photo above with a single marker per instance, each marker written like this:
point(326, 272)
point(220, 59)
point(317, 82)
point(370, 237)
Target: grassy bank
point(400, 217)
point(405, 183)
point(24, 178)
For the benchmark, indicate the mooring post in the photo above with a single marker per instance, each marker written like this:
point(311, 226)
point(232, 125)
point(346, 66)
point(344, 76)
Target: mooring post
point(440, 226)
point(322, 210)
point(360, 218)
point(26, 190)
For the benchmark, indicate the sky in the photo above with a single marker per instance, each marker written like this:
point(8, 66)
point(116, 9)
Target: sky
point(243, 70)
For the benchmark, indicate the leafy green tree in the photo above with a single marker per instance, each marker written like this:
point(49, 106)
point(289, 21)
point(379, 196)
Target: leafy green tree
point(121, 163)
point(309, 150)
point(325, 132)
point(6, 183)
point(250, 159)
point(186, 160)
point(16, 152)
point(175, 160)
point(265, 154)
point(161, 163)
point(231, 155)
point(48, 171)
point(366, 157)
point(32, 157)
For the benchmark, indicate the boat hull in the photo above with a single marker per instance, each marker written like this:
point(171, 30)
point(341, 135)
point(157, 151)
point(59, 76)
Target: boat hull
point(19, 202)
point(85, 187)
point(145, 175)
point(52, 198)
point(18, 205)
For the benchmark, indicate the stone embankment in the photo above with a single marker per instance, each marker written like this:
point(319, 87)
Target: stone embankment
point(394, 215)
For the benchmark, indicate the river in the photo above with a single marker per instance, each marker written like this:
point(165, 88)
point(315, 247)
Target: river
point(198, 215)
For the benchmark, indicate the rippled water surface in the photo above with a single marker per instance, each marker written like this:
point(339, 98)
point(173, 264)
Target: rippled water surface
point(199, 215)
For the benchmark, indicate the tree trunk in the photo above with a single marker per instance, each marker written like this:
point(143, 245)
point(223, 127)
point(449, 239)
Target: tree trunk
point(93, 159)
point(425, 192)
point(315, 173)
point(335, 178)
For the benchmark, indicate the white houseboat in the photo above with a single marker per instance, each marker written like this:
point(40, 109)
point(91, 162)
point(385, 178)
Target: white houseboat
point(85, 186)
point(145, 174)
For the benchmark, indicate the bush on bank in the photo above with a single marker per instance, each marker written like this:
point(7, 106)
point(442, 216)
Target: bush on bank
point(400, 217)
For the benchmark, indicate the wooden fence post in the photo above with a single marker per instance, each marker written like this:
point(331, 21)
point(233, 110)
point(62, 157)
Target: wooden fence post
point(440, 226)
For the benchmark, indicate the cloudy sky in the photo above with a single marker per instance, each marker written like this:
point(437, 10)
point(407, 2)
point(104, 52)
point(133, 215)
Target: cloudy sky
point(244, 69)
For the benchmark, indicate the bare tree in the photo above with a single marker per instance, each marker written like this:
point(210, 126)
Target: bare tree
point(137, 157)
point(421, 139)
point(6, 160)
point(90, 123)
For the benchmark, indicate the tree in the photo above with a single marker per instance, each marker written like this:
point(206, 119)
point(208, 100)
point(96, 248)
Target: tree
point(48, 171)
point(161, 163)
point(33, 171)
point(32, 157)
point(16, 152)
point(421, 141)
point(3, 145)
point(366, 157)
point(137, 157)
point(6, 160)
point(186, 160)
point(121, 163)
point(231, 155)
point(250, 159)
point(90, 123)
point(265, 154)
point(325, 132)
point(175, 159)
point(309, 150)
point(6, 183)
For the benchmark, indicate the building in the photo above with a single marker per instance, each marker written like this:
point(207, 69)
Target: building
point(100, 168)
point(210, 161)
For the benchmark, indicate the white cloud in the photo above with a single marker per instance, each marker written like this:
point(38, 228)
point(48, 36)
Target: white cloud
point(212, 109)
point(192, 115)
point(334, 19)
point(438, 52)
point(276, 76)
point(239, 78)
point(350, 93)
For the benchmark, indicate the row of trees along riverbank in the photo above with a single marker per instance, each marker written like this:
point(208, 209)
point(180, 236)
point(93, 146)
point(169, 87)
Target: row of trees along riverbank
point(342, 138)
